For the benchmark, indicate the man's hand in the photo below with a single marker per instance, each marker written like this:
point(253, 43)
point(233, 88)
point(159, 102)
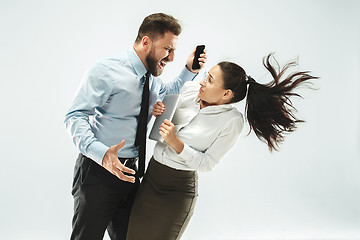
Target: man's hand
point(202, 61)
point(158, 109)
point(111, 163)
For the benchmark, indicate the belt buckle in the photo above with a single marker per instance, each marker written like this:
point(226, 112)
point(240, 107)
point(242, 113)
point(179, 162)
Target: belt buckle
point(129, 162)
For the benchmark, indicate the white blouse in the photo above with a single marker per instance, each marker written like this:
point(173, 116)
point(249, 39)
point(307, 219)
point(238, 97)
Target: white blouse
point(208, 133)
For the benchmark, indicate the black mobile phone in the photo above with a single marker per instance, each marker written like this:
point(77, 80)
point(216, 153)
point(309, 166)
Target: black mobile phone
point(199, 50)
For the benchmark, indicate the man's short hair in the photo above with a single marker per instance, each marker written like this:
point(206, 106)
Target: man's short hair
point(156, 25)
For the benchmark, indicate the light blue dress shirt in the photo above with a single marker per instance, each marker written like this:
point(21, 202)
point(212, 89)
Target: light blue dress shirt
point(106, 106)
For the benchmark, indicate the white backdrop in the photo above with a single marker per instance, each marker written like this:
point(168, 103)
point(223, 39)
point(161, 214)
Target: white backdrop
point(308, 190)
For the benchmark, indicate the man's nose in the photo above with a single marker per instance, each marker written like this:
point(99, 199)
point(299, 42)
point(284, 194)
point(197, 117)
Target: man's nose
point(171, 56)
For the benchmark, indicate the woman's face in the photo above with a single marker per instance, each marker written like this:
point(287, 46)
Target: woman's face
point(212, 91)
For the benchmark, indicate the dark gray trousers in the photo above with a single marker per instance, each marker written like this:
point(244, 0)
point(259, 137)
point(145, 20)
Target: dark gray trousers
point(101, 201)
point(164, 203)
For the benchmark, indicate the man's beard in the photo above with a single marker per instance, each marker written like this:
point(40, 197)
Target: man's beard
point(153, 64)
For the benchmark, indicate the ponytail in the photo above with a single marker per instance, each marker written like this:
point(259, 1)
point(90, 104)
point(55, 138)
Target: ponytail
point(269, 111)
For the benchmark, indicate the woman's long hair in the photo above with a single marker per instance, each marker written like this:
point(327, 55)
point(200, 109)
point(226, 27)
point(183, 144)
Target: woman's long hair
point(268, 109)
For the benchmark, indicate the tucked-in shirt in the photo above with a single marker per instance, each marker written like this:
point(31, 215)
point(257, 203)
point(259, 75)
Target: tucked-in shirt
point(105, 108)
point(208, 133)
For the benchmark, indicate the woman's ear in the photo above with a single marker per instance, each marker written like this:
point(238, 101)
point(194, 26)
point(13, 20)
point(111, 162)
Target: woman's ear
point(228, 95)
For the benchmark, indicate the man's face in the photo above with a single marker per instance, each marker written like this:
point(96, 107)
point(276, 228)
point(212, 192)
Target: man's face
point(161, 53)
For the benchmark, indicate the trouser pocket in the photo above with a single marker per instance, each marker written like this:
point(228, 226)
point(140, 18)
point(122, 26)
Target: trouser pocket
point(81, 170)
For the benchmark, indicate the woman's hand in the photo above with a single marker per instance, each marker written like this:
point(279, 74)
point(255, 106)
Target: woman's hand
point(167, 131)
point(158, 109)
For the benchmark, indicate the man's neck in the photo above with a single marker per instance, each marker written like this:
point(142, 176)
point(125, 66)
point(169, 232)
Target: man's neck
point(141, 54)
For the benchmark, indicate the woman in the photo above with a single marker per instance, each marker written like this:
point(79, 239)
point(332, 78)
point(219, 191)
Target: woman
point(205, 126)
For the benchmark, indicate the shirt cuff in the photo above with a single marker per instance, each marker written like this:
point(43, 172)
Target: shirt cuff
point(187, 75)
point(187, 153)
point(96, 151)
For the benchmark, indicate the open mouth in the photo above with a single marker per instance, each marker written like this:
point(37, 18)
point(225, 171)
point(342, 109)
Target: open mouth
point(162, 64)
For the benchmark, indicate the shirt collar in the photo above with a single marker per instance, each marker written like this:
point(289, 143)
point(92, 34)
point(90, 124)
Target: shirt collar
point(215, 108)
point(137, 63)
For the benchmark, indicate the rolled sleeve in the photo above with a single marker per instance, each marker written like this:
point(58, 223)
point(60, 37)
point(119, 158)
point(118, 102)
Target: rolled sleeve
point(187, 152)
point(206, 161)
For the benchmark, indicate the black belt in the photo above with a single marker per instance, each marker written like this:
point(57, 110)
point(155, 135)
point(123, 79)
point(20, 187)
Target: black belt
point(128, 162)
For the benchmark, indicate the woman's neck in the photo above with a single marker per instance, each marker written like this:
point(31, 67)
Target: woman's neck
point(203, 104)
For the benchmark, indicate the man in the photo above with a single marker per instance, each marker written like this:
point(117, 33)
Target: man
point(103, 122)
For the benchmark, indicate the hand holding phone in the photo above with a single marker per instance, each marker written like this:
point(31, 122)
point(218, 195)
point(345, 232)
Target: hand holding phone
point(199, 50)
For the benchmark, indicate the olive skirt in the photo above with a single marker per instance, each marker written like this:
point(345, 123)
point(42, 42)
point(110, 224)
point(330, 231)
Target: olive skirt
point(164, 203)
